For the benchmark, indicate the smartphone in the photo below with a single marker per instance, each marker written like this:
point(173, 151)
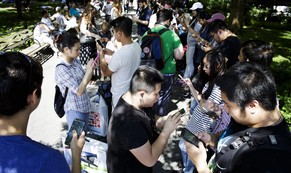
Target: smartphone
point(180, 112)
point(100, 44)
point(190, 137)
point(77, 125)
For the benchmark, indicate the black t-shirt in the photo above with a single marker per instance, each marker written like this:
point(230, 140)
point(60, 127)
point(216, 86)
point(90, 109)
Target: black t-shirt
point(263, 159)
point(129, 128)
point(230, 48)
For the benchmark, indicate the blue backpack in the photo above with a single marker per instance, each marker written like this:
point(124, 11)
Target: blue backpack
point(152, 49)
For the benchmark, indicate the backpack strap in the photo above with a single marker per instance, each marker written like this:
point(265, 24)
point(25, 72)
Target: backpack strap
point(247, 141)
point(67, 89)
point(160, 33)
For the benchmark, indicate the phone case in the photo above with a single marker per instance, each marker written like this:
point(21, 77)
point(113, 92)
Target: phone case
point(77, 125)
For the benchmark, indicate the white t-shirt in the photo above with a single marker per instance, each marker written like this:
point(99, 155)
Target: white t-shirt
point(48, 22)
point(114, 13)
point(61, 21)
point(123, 64)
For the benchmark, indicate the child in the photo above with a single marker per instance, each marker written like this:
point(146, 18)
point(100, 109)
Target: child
point(105, 33)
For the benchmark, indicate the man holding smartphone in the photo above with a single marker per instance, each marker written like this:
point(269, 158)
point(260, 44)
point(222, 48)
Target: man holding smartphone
point(132, 146)
point(20, 93)
point(249, 96)
point(124, 62)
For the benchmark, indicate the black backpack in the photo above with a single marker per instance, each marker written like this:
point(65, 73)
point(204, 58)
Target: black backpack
point(152, 49)
point(60, 100)
point(251, 147)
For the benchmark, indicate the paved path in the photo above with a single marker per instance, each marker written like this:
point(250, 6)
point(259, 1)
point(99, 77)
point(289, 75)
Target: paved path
point(46, 127)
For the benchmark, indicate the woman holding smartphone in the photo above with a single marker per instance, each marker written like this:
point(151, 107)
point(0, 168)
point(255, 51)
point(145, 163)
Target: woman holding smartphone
point(213, 65)
point(70, 74)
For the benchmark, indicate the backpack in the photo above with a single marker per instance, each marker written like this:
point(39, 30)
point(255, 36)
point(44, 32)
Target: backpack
point(60, 100)
point(244, 152)
point(152, 49)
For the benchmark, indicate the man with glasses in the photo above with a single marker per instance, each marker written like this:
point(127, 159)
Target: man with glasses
point(20, 93)
point(124, 62)
point(229, 43)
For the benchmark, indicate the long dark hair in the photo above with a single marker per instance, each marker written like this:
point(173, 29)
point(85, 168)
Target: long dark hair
point(217, 67)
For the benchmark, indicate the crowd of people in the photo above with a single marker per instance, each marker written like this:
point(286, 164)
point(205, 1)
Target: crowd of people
point(233, 94)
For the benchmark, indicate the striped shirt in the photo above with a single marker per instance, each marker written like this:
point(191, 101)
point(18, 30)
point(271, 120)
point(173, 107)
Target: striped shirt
point(71, 75)
point(199, 121)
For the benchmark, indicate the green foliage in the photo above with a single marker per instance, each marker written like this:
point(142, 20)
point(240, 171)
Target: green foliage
point(259, 13)
point(281, 66)
point(10, 21)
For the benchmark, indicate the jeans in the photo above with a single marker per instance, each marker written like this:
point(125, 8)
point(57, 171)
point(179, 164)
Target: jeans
point(71, 115)
point(161, 107)
point(189, 62)
point(188, 166)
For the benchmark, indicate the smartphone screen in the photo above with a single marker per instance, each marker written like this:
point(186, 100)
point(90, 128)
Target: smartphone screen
point(77, 125)
point(190, 137)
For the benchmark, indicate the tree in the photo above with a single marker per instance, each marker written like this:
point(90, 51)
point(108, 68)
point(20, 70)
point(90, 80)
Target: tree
point(236, 17)
point(19, 8)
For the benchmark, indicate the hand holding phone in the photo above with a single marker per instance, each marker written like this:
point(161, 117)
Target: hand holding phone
point(190, 137)
point(100, 44)
point(180, 112)
point(77, 125)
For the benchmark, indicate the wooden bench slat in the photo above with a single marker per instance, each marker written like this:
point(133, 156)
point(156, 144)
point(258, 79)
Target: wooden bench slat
point(34, 48)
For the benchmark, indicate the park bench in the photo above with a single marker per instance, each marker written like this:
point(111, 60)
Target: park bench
point(15, 40)
point(39, 51)
point(23, 41)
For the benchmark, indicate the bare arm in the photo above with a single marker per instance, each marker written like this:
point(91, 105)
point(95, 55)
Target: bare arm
point(103, 64)
point(198, 156)
point(84, 30)
point(76, 148)
point(144, 22)
point(179, 53)
point(87, 77)
point(148, 154)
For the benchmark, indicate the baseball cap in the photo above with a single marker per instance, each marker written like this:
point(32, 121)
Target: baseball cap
point(216, 16)
point(196, 5)
point(58, 9)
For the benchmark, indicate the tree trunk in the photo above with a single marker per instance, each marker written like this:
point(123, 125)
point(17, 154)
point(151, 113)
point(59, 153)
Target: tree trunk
point(236, 17)
point(18, 7)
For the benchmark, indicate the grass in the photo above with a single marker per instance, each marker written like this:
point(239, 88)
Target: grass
point(281, 66)
point(281, 40)
point(10, 22)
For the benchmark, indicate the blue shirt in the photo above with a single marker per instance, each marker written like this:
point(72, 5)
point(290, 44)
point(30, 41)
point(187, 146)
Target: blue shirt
point(74, 12)
point(144, 14)
point(21, 154)
point(71, 75)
